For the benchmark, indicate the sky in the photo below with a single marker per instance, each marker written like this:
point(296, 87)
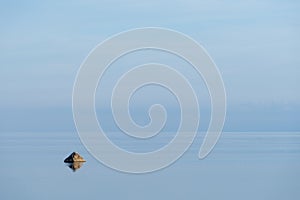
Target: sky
point(255, 45)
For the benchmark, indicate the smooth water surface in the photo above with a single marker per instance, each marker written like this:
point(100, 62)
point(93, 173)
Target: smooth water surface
point(243, 165)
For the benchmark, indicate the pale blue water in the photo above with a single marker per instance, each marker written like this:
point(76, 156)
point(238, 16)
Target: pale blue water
point(243, 165)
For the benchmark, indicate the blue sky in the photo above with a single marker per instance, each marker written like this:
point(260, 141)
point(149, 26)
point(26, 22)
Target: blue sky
point(255, 44)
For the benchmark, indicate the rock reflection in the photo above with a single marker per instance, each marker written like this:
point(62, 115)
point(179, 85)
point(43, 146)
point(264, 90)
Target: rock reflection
point(75, 165)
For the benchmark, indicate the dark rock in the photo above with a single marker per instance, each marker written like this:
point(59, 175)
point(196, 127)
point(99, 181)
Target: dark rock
point(74, 157)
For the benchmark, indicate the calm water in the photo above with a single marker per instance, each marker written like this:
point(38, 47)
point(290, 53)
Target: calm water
point(243, 165)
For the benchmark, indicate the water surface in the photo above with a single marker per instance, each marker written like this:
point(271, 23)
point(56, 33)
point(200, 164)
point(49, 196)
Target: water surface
point(243, 165)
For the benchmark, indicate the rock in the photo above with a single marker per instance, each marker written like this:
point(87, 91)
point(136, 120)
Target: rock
point(74, 157)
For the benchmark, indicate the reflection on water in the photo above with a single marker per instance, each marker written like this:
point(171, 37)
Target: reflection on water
point(75, 165)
